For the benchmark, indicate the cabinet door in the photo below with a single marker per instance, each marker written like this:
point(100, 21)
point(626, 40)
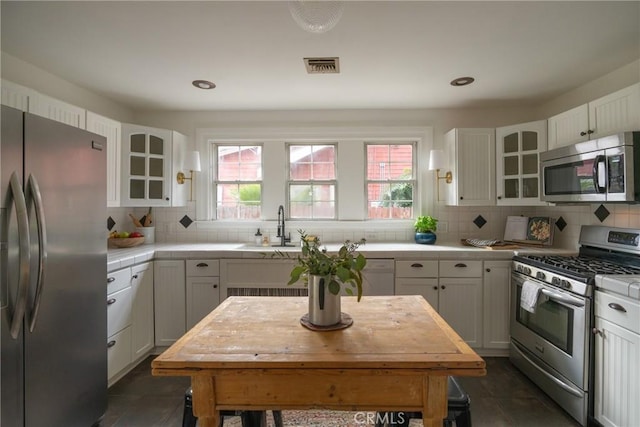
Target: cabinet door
point(472, 153)
point(203, 295)
point(517, 158)
point(146, 167)
point(617, 376)
point(18, 97)
point(496, 285)
point(111, 130)
point(142, 310)
point(568, 127)
point(428, 288)
point(118, 353)
point(616, 112)
point(460, 304)
point(59, 111)
point(169, 301)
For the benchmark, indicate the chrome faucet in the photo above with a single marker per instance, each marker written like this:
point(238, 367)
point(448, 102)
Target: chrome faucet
point(281, 233)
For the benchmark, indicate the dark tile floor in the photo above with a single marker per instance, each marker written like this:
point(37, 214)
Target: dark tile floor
point(502, 398)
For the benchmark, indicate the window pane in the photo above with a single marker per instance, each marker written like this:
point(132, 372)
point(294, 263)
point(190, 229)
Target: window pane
point(239, 201)
point(393, 201)
point(389, 161)
point(239, 163)
point(312, 201)
point(311, 162)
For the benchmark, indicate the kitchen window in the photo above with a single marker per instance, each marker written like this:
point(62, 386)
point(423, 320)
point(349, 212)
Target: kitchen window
point(312, 181)
point(238, 181)
point(390, 180)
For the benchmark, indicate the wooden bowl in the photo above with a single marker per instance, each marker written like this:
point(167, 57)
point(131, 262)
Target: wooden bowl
point(128, 242)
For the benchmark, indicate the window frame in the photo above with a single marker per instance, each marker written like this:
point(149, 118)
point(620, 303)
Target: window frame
point(215, 182)
point(413, 181)
point(289, 182)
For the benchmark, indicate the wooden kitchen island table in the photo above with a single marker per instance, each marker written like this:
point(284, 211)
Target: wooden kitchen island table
point(252, 353)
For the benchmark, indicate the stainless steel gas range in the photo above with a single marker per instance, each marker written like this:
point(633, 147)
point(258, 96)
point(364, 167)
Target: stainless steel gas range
point(551, 339)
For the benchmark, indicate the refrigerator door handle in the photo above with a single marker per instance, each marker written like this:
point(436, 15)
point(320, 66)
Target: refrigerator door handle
point(24, 254)
point(33, 192)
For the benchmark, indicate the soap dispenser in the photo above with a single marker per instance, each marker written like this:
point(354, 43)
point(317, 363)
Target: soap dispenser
point(258, 236)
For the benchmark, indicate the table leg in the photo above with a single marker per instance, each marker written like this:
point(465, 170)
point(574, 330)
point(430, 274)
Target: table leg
point(204, 401)
point(434, 400)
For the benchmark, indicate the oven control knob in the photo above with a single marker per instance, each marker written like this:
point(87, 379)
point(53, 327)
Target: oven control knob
point(565, 284)
point(527, 271)
point(540, 275)
point(555, 281)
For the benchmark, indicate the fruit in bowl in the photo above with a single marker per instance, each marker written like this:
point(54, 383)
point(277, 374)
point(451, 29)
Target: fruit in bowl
point(124, 239)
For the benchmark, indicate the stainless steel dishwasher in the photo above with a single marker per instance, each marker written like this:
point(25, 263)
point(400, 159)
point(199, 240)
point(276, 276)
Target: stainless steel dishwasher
point(378, 277)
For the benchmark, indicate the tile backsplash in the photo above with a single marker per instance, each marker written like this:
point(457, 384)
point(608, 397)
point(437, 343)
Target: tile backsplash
point(177, 225)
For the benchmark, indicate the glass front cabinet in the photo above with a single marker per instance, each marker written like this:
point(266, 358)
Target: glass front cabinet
point(150, 159)
point(518, 148)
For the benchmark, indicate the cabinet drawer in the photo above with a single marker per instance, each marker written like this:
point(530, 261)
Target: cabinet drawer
point(118, 352)
point(606, 305)
point(119, 279)
point(203, 267)
point(118, 310)
point(419, 268)
point(462, 268)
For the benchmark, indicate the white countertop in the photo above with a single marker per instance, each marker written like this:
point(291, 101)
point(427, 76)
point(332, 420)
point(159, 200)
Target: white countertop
point(124, 257)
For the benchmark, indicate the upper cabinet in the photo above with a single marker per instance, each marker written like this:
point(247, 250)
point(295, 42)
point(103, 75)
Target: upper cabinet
point(517, 156)
point(472, 156)
point(29, 100)
point(151, 159)
point(111, 130)
point(616, 112)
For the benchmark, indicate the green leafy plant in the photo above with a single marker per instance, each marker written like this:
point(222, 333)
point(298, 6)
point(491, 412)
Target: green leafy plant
point(425, 223)
point(343, 268)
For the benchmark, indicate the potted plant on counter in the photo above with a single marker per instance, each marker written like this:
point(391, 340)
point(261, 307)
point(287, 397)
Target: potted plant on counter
point(326, 275)
point(425, 227)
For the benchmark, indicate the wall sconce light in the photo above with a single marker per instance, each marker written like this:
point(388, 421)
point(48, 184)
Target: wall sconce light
point(191, 163)
point(437, 162)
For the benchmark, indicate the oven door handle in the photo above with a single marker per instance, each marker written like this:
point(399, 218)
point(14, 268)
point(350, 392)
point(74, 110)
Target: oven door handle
point(563, 298)
point(566, 387)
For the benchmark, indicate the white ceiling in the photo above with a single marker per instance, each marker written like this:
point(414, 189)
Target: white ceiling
point(395, 54)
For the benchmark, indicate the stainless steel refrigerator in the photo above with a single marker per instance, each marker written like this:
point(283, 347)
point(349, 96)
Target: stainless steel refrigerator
point(53, 322)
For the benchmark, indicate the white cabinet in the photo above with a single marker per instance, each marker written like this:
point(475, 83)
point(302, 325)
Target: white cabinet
point(517, 157)
point(142, 331)
point(31, 101)
point(617, 352)
point(616, 112)
point(151, 160)
point(453, 288)
point(496, 288)
point(59, 111)
point(111, 130)
point(265, 277)
point(169, 301)
point(18, 97)
point(472, 157)
point(460, 298)
point(118, 322)
point(129, 318)
point(203, 289)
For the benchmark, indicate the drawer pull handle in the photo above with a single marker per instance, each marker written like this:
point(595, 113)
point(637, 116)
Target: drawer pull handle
point(461, 265)
point(111, 301)
point(416, 265)
point(616, 306)
point(443, 287)
point(215, 286)
point(110, 279)
point(111, 343)
point(135, 276)
point(202, 264)
point(435, 288)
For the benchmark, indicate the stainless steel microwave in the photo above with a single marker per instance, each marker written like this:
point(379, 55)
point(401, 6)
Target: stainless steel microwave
point(602, 170)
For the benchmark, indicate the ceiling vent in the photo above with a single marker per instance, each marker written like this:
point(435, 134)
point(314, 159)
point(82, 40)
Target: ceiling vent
point(322, 65)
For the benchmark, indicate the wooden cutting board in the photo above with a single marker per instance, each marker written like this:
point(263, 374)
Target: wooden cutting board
point(497, 246)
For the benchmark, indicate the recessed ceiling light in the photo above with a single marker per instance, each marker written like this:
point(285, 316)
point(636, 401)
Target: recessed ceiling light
point(462, 81)
point(203, 84)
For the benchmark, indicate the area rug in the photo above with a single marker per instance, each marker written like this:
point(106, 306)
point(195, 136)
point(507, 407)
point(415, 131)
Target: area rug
point(319, 418)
